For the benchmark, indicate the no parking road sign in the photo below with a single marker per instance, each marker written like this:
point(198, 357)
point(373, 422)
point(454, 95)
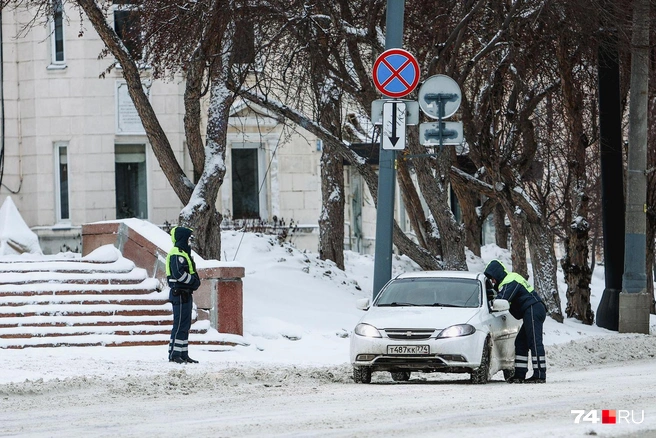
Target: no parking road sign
point(396, 73)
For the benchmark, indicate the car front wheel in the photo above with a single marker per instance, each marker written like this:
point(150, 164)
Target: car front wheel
point(362, 374)
point(400, 376)
point(482, 373)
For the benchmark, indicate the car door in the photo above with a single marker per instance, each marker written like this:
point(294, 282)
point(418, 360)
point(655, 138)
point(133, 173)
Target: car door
point(503, 330)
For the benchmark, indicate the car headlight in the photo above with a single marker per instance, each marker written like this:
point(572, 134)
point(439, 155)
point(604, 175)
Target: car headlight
point(367, 330)
point(457, 330)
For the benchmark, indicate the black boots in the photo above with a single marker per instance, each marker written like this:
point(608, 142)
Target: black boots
point(535, 379)
point(178, 359)
point(532, 379)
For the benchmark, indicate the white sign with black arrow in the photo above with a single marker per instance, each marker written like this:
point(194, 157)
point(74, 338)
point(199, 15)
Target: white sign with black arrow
point(394, 125)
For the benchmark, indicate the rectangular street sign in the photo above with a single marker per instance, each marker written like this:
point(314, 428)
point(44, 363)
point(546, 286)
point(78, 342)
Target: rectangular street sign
point(450, 133)
point(394, 125)
point(411, 111)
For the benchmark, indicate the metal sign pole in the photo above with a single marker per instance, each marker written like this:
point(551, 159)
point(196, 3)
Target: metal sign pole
point(387, 168)
point(440, 112)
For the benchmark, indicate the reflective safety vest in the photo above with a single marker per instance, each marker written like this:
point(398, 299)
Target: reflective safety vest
point(513, 276)
point(175, 251)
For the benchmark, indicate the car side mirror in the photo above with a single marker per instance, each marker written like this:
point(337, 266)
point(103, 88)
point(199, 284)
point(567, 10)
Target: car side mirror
point(498, 305)
point(362, 304)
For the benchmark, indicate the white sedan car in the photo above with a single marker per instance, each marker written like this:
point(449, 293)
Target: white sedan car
point(438, 321)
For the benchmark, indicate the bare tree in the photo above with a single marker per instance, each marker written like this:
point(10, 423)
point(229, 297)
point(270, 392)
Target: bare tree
point(501, 91)
point(197, 39)
point(346, 34)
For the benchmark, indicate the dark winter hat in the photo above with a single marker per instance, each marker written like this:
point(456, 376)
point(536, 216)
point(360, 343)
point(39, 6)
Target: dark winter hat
point(496, 271)
point(180, 235)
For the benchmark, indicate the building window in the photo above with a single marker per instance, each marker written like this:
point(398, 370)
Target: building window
point(247, 183)
point(245, 190)
point(57, 32)
point(61, 182)
point(127, 25)
point(131, 185)
point(244, 49)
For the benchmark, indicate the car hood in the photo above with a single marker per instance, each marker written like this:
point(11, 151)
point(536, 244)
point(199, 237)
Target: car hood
point(418, 317)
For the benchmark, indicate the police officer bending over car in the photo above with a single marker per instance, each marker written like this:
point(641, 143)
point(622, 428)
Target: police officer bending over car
point(183, 281)
point(525, 305)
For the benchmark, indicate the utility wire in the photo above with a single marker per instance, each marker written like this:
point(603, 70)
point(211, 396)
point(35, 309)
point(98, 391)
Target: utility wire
point(259, 190)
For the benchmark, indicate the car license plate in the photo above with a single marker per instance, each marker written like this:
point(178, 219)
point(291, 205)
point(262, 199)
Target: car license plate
point(408, 349)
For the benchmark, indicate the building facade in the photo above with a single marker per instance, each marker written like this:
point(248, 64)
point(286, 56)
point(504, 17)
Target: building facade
point(74, 150)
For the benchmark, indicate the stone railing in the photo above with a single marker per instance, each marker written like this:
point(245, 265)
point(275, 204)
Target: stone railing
point(220, 296)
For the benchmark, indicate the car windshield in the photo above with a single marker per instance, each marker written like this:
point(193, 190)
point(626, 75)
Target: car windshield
point(447, 292)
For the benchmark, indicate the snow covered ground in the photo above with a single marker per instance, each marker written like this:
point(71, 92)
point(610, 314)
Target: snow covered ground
point(293, 378)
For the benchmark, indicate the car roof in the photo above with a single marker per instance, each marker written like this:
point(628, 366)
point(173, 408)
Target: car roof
point(441, 274)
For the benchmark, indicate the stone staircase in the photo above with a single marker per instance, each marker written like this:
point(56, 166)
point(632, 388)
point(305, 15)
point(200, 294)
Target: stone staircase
point(101, 299)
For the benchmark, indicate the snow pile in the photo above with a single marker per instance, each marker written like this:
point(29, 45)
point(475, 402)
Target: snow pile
point(594, 351)
point(15, 236)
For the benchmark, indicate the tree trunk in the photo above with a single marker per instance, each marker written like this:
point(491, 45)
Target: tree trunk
point(578, 277)
point(424, 229)
point(575, 264)
point(433, 178)
point(543, 260)
point(192, 96)
point(472, 220)
point(331, 222)
point(518, 245)
point(500, 228)
point(200, 213)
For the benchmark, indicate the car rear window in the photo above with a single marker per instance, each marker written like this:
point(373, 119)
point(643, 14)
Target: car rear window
point(448, 292)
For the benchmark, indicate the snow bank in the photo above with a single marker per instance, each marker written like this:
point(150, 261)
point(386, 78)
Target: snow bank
point(15, 236)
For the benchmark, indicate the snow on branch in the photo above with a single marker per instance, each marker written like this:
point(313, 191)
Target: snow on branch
point(305, 122)
point(525, 202)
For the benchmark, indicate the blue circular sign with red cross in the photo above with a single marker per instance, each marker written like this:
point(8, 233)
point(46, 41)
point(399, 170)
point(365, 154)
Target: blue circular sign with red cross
point(396, 73)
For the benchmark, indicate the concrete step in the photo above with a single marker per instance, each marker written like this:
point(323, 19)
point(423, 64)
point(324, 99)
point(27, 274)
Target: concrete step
point(66, 321)
point(95, 330)
point(68, 267)
point(143, 286)
point(75, 310)
point(141, 298)
point(66, 301)
point(66, 278)
point(108, 341)
point(199, 337)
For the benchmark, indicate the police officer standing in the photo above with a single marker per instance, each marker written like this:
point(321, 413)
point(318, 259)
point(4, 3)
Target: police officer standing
point(527, 306)
point(183, 281)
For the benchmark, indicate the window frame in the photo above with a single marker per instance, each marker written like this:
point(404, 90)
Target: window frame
point(58, 145)
point(54, 62)
point(126, 6)
point(262, 181)
point(131, 142)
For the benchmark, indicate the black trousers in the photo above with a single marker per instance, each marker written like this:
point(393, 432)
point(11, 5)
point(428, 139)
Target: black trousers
point(528, 339)
point(182, 307)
